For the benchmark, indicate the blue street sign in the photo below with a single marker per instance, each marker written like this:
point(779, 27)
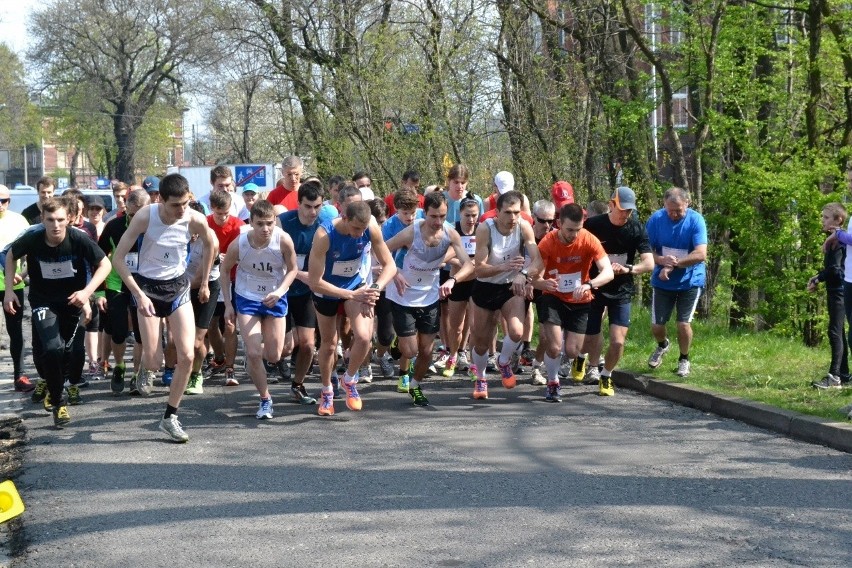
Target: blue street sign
point(250, 174)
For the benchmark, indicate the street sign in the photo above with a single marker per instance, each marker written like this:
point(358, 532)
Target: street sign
point(250, 174)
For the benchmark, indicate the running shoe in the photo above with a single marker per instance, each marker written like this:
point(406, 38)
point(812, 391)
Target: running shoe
point(828, 382)
point(418, 397)
point(23, 384)
point(578, 369)
point(507, 375)
point(326, 405)
point(491, 366)
point(74, 397)
point(606, 388)
point(471, 372)
point(353, 399)
point(215, 368)
point(116, 384)
point(462, 363)
point(682, 368)
point(527, 357)
point(264, 411)
point(92, 370)
point(450, 367)
point(48, 406)
point(230, 379)
point(593, 376)
point(656, 358)
point(195, 384)
point(132, 390)
point(168, 375)
point(300, 395)
point(284, 372)
point(40, 391)
point(173, 428)
point(61, 416)
point(145, 382)
point(480, 389)
point(403, 384)
point(386, 366)
point(554, 392)
point(335, 387)
point(441, 361)
point(366, 373)
point(565, 368)
point(537, 378)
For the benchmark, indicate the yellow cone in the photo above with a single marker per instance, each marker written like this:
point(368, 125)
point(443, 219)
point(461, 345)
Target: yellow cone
point(11, 504)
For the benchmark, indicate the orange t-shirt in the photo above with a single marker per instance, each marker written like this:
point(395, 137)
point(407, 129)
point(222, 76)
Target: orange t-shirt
point(570, 264)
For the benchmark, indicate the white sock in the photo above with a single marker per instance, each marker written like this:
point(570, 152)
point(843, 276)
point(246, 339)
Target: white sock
point(552, 365)
point(508, 349)
point(606, 372)
point(481, 361)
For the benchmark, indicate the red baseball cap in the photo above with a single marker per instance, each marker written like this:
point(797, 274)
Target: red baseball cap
point(562, 193)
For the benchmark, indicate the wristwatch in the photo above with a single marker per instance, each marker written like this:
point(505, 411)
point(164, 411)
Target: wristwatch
point(629, 269)
point(525, 273)
point(374, 286)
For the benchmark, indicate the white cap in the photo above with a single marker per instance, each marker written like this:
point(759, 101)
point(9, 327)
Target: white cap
point(504, 181)
point(366, 193)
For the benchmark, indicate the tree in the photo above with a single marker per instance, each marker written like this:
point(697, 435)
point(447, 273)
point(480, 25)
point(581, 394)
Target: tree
point(132, 54)
point(20, 122)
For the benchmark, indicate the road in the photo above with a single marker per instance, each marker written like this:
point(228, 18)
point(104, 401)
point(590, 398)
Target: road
point(510, 481)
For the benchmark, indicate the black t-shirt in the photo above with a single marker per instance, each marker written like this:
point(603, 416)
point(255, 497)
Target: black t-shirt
point(110, 236)
point(57, 272)
point(624, 241)
point(32, 214)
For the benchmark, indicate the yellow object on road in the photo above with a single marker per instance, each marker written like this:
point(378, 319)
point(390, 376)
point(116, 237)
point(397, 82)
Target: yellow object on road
point(11, 504)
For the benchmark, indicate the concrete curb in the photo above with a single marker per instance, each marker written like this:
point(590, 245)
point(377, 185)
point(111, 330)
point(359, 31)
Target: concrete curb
point(812, 429)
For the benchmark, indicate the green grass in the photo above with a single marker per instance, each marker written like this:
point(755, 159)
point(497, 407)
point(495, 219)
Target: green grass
point(757, 366)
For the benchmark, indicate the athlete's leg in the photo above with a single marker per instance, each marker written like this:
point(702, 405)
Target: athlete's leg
point(182, 323)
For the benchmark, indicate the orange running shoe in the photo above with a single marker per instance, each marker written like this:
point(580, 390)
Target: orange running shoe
point(326, 405)
point(353, 399)
point(508, 376)
point(480, 388)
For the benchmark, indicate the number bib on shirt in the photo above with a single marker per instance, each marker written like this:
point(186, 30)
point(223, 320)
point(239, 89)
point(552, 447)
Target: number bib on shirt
point(568, 282)
point(57, 270)
point(259, 286)
point(346, 268)
point(675, 252)
point(469, 244)
point(618, 258)
point(423, 279)
point(132, 261)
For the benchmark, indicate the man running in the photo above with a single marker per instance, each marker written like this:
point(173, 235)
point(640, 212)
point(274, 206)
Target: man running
point(416, 291)
point(160, 287)
point(337, 271)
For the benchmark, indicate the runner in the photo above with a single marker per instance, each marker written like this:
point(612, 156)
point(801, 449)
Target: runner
point(338, 265)
point(266, 266)
point(501, 287)
point(161, 288)
point(562, 272)
point(58, 261)
point(623, 237)
point(45, 187)
point(416, 291)
point(678, 237)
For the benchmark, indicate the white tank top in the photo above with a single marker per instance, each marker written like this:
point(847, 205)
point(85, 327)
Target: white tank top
point(502, 248)
point(421, 268)
point(260, 271)
point(162, 255)
point(196, 256)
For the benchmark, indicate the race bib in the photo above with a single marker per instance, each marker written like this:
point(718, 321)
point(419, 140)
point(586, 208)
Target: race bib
point(469, 244)
point(423, 279)
point(300, 262)
point(618, 259)
point(568, 282)
point(675, 252)
point(346, 268)
point(163, 257)
point(57, 270)
point(259, 286)
point(132, 261)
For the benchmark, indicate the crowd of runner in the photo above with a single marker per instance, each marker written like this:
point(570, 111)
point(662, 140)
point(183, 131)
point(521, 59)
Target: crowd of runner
point(328, 276)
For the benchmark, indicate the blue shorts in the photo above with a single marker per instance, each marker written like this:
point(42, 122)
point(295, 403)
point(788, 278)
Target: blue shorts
point(255, 308)
point(618, 312)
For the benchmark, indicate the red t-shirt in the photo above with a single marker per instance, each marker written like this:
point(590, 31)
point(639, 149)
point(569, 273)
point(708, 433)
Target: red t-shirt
point(277, 195)
point(392, 209)
point(492, 214)
point(570, 264)
point(291, 202)
point(226, 234)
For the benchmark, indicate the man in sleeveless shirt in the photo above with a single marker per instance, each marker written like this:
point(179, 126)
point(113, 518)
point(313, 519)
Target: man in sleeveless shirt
point(416, 292)
point(160, 288)
point(337, 271)
point(502, 245)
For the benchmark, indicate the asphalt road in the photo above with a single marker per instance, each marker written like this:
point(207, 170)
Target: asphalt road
point(510, 481)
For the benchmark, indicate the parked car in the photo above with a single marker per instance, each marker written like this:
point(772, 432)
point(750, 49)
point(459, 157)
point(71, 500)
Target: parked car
point(22, 197)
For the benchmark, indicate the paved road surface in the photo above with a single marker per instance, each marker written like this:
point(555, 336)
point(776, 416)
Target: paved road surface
point(511, 481)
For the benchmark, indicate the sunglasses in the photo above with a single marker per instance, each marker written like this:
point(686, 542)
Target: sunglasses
point(5, 201)
point(545, 221)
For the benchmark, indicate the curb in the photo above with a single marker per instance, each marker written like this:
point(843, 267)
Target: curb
point(811, 429)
